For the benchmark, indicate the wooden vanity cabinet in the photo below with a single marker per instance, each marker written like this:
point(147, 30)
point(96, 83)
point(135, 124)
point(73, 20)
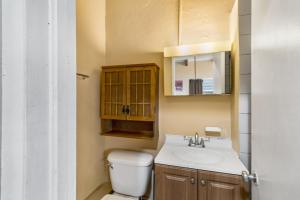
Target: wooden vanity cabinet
point(173, 183)
point(220, 186)
point(129, 100)
point(186, 184)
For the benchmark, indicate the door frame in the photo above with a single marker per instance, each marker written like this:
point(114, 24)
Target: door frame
point(30, 90)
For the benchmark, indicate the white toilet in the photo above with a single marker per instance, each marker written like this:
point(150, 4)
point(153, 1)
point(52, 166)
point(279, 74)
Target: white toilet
point(130, 174)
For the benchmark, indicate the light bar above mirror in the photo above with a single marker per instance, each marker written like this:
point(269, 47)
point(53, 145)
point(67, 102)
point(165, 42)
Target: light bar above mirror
point(196, 49)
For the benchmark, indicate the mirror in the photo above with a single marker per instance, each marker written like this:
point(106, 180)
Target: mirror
point(205, 74)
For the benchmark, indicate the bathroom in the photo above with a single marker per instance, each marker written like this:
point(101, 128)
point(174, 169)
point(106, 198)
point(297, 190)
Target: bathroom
point(135, 32)
point(149, 99)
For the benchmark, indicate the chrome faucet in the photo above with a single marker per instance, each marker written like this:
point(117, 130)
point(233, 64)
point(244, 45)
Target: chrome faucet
point(196, 142)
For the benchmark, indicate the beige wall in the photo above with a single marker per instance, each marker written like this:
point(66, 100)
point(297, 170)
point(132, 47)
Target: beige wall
point(234, 36)
point(205, 20)
point(90, 55)
point(137, 31)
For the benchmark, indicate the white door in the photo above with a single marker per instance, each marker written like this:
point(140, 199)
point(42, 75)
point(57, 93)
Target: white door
point(276, 99)
point(38, 100)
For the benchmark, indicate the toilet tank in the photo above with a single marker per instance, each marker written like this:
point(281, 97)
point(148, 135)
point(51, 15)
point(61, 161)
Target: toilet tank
point(130, 172)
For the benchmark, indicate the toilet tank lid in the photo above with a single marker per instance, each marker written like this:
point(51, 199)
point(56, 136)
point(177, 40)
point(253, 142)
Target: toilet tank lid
point(132, 158)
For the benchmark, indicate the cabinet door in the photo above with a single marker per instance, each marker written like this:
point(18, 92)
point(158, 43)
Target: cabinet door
point(141, 93)
point(219, 186)
point(113, 93)
point(173, 183)
point(222, 191)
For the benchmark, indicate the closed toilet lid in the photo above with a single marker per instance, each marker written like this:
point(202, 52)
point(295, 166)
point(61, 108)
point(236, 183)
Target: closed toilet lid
point(117, 197)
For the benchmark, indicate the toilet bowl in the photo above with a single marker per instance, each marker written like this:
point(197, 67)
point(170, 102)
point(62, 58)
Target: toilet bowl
point(130, 174)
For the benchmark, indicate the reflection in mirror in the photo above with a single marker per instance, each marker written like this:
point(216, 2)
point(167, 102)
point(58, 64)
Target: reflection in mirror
point(183, 71)
point(207, 74)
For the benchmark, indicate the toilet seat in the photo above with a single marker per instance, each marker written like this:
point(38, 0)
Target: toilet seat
point(117, 197)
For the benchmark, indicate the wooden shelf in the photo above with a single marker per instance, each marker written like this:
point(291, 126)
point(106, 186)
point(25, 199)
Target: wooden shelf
point(127, 134)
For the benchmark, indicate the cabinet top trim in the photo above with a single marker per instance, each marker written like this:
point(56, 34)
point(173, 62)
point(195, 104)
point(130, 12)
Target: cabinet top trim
point(132, 65)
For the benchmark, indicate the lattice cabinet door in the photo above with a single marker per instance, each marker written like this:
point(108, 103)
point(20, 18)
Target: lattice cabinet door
point(141, 93)
point(113, 93)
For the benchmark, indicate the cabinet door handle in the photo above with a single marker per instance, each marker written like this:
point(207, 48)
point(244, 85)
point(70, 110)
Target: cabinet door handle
point(123, 109)
point(192, 180)
point(203, 182)
point(127, 110)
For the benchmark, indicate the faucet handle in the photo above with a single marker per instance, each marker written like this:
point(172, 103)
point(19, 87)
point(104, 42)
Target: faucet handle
point(189, 139)
point(191, 142)
point(202, 143)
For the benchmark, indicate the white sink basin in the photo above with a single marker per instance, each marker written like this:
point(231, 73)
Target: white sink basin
point(217, 156)
point(198, 155)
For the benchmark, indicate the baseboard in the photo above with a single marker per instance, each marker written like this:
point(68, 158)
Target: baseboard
point(100, 191)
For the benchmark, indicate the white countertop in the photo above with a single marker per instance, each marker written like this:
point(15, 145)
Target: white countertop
point(217, 156)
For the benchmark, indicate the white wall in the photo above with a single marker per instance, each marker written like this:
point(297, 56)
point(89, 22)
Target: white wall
point(245, 81)
point(39, 100)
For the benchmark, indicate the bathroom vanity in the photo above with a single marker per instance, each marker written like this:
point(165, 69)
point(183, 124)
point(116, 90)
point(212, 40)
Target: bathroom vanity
point(192, 173)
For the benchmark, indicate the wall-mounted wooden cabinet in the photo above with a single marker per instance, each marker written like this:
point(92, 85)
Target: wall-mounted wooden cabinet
point(129, 100)
point(176, 183)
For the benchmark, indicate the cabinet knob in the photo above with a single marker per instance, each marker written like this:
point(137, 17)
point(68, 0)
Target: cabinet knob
point(123, 109)
point(203, 182)
point(192, 180)
point(127, 110)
